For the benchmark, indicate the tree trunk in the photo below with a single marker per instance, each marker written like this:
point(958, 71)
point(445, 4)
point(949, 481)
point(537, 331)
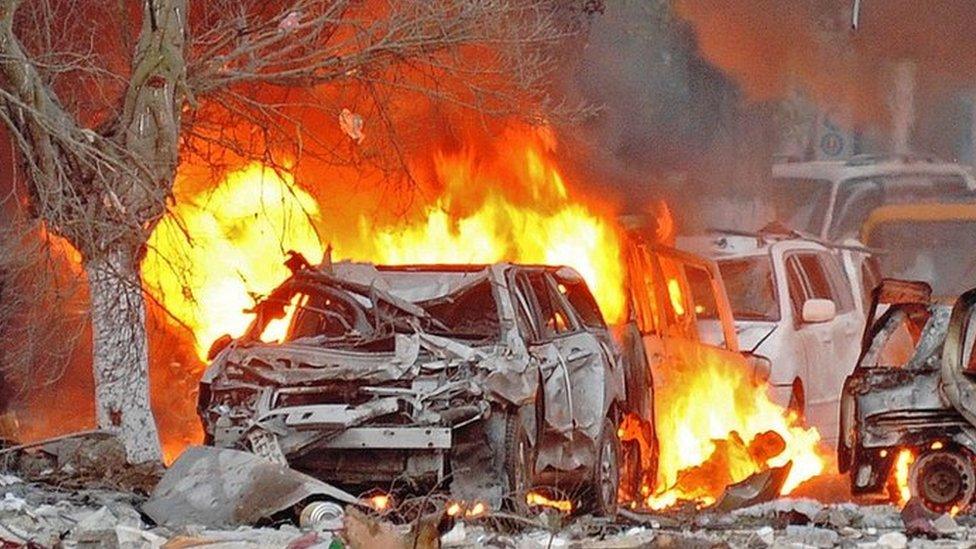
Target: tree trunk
point(120, 357)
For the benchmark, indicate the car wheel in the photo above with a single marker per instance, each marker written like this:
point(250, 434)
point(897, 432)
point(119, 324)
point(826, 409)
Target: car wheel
point(630, 471)
point(943, 479)
point(606, 472)
point(519, 460)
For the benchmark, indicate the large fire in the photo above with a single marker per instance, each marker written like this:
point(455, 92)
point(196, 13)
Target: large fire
point(717, 427)
point(513, 205)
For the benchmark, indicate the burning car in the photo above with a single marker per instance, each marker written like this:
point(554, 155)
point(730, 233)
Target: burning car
point(910, 402)
point(801, 304)
point(488, 379)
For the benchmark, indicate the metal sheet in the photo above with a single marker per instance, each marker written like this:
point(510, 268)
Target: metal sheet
point(394, 438)
point(219, 487)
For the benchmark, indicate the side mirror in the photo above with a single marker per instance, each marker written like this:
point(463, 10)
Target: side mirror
point(819, 310)
point(761, 367)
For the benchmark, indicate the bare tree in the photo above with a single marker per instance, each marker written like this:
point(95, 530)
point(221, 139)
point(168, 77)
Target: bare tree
point(104, 99)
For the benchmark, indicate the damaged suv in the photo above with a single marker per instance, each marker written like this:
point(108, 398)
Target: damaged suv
point(491, 380)
point(912, 398)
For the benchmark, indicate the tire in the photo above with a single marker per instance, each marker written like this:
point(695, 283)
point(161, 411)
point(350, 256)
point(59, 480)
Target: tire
point(630, 470)
point(518, 462)
point(943, 479)
point(605, 484)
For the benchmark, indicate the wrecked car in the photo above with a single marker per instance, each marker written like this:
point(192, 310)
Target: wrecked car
point(679, 317)
point(489, 380)
point(913, 391)
point(801, 304)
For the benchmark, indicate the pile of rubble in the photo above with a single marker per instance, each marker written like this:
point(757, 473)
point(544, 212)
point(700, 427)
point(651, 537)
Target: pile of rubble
point(77, 492)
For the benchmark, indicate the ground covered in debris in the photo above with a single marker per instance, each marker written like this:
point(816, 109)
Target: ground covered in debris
point(44, 515)
point(78, 492)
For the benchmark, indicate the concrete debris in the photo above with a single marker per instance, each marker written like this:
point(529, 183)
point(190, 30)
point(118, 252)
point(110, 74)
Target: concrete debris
point(946, 525)
point(766, 535)
point(893, 540)
point(87, 459)
point(808, 509)
point(811, 536)
point(48, 516)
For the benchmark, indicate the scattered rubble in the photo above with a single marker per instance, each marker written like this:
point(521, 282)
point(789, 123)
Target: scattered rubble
point(49, 497)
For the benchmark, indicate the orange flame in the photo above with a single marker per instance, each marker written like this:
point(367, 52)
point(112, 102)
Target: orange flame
point(717, 427)
point(511, 206)
point(538, 500)
point(903, 463)
point(241, 230)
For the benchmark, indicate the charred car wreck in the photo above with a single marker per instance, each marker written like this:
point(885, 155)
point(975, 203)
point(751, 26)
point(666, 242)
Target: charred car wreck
point(489, 380)
point(914, 389)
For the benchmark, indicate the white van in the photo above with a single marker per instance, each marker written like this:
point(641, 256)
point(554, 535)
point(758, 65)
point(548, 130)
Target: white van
point(831, 199)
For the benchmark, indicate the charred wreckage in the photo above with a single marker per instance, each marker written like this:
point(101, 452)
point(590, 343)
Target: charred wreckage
point(489, 380)
point(914, 390)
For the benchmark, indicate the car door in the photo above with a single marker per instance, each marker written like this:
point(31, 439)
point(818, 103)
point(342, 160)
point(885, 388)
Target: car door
point(571, 365)
point(830, 347)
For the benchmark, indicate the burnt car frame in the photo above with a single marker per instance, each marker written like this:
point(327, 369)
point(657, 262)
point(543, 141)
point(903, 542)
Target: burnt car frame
point(490, 380)
point(912, 390)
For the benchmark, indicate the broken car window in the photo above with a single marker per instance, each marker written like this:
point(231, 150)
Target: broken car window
point(896, 340)
point(582, 301)
point(468, 313)
point(706, 306)
point(643, 290)
point(818, 282)
point(335, 316)
point(794, 280)
point(751, 288)
point(678, 293)
point(553, 317)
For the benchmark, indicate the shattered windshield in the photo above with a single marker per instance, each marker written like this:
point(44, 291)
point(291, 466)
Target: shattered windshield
point(333, 316)
point(751, 287)
point(802, 203)
point(939, 253)
point(908, 336)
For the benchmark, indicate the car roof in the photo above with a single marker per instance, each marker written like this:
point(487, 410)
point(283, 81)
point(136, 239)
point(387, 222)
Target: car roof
point(720, 246)
point(869, 166)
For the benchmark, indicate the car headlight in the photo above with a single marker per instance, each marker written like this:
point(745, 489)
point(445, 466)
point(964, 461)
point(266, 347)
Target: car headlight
point(761, 367)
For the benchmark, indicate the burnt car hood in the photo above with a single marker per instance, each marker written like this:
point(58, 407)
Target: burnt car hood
point(504, 370)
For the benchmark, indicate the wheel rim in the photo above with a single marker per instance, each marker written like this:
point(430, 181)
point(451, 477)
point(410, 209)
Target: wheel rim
point(943, 480)
point(609, 472)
